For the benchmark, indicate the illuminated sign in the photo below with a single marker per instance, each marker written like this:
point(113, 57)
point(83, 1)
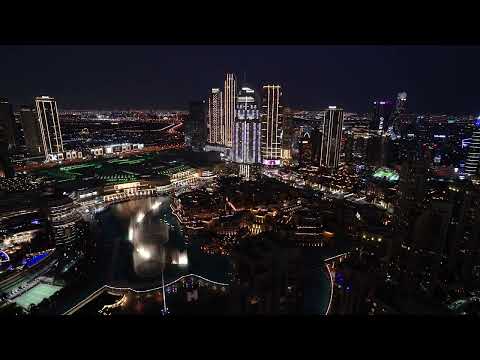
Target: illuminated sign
point(271, 162)
point(439, 136)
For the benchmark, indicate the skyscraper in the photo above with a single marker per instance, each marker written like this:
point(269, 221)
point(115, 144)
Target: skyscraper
point(331, 137)
point(215, 125)
point(7, 122)
point(398, 113)
point(380, 116)
point(473, 158)
point(50, 130)
point(19, 136)
point(272, 125)
point(6, 137)
point(196, 125)
point(246, 134)
point(230, 90)
point(287, 135)
point(31, 130)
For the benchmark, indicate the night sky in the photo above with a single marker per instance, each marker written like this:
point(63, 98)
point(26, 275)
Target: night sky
point(438, 79)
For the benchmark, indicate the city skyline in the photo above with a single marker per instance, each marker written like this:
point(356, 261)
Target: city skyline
point(438, 79)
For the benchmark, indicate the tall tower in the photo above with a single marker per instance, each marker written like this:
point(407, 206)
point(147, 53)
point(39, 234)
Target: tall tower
point(230, 90)
point(50, 130)
point(246, 133)
point(216, 128)
point(473, 157)
point(331, 137)
point(31, 130)
point(287, 135)
point(380, 117)
point(398, 113)
point(272, 125)
point(196, 126)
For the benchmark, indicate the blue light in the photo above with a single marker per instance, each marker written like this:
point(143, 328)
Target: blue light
point(477, 122)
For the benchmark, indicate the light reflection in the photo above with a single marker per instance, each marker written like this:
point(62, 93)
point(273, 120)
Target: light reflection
point(156, 205)
point(140, 217)
point(130, 233)
point(144, 253)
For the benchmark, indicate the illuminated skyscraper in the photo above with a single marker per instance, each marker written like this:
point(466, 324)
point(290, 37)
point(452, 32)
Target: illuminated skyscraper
point(246, 134)
point(473, 158)
point(215, 125)
point(50, 129)
point(272, 125)
point(230, 90)
point(331, 137)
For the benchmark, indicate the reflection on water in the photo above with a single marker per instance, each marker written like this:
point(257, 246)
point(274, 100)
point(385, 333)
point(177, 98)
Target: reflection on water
point(140, 238)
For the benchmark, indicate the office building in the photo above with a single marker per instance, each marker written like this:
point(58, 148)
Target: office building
point(31, 130)
point(215, 125)
point(50, 129)
point(247, 128)
point(271, 125)
point(230, 91)
point(196, 126)
point(331, 138)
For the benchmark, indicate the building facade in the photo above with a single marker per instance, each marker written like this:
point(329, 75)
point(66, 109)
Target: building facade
point(31, 130)
point(51, 132)
point(196, 125)
point(230, 91)
point(473, 158)
point(215, 124)
point(7, 122)
point(271, 125)
point(331, 137)
point(380, 116)
point(247, 128)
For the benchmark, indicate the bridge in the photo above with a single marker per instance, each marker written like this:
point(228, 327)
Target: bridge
point(167, 287)
point(330, 264)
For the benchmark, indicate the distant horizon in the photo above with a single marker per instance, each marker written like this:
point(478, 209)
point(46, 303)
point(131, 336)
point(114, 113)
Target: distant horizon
point(437, 79)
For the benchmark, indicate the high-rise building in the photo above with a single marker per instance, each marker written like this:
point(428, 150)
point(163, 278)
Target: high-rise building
point(31, 130)
point(19, 136)
point(331, 137)
point(215, 125)
point(196, 126)
point(7, 122)
point(50, 129)
point(473, 158)
point(304, 156)
point(272, 125)
point(288, 135)
point(246, 134)
point(380, 116)
point(399, 112)
point(230, 90)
